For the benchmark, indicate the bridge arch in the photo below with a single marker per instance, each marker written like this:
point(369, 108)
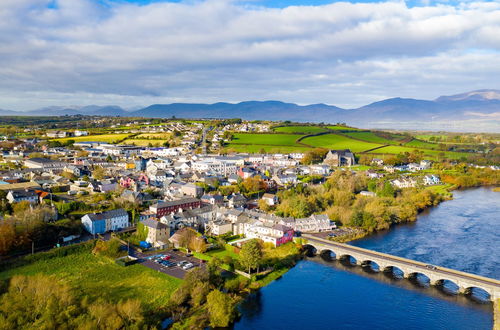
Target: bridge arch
point(371, 265)
point(477, 293)
point(328, 255)
point(393, 271)
point(348, 259)
point(419, 278)
point(309, 250)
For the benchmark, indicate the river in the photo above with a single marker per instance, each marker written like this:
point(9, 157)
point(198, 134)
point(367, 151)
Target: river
point(316, 294)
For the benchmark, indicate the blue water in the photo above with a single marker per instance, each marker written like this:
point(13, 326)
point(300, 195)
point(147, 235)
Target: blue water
point(316, 294)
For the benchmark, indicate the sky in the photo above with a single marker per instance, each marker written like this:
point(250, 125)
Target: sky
point(134, 53)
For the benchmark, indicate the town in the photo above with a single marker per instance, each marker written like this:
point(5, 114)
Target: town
point(172, 196)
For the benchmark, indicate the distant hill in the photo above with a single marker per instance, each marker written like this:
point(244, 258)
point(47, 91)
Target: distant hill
point(472, 111)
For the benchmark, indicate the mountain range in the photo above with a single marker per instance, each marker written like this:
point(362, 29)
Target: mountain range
point(472, 111)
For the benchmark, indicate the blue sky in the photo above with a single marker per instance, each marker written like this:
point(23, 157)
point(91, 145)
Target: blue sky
point(136, 52)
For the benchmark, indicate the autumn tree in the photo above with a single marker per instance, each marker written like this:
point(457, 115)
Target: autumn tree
point(251, 254)
point(221, 309)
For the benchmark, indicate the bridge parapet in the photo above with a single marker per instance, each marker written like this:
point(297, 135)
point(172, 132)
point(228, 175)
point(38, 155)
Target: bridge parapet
point(435, 274)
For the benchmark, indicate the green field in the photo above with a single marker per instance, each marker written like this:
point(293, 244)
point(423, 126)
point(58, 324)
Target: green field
point(145, 142)
point(427, 152)
point(300, 129)
point(370, 137)
point(343, 128)
point(248, 148)
point(422, 144)
point(97, 276)
point(265, 139)
point(109, 138)
point(334, 141)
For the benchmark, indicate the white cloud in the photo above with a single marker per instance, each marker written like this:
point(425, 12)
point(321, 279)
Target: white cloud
point(207, 51)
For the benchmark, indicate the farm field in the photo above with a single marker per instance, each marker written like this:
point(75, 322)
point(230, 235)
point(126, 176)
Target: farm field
point(265, 139)
point(343, 128)
point(248, 148)
point(334, 141)
point(96, 276)
point(145, 142)
point(155, 136)
point(300, 129)
point(370, 137)
point(427, 152)
point(422, 144)
point(109, 138)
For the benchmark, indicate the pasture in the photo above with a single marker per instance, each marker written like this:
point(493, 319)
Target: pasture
point(265, 139)
point(342, 128)
point(370, 137)
point(300, 129)
point(334, 141)
point(427, 152)
point(248, 148)
point(108, 138)
point(422, 144)
point(145, 142)
point(97, 276)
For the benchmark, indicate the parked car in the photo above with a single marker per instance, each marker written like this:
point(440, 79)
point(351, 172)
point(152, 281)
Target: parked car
point(182, 263)
point(188, 266)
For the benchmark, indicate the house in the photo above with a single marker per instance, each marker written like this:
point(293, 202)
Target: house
point(192, 190)
point(219, 227)
point(313, 224)
point(276, 234)
point(431, 179)
point(157, 232)
point(377, 162)
point(178, 238)
point(367, 193)
point(99, 223)
point(212, 199)
point(56, 134)
point(16, 196)
point(425, 164)
point(404, 183)
point(339, 158)
point(164, 208)
point(270, 199)
point(44, 163)
point(236, 200)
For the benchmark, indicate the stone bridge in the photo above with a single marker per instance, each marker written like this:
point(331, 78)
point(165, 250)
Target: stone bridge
point(437, 275)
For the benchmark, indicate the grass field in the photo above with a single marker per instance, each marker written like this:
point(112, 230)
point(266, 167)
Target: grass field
point(300, 129)
point(422, 144)
point(109, 138)
point(97, 276)
point(343, 128)
point(427, 152)
point(266, 139)
point(333, 141)
point(145, 142)
point(248, 148)
point(155, 136)
point(370, 137)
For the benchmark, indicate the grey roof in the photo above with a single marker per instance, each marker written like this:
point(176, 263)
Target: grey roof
point(107, 215)
point(154, 224)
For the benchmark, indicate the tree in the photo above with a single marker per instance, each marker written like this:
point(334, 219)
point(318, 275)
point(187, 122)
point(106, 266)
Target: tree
point(7, 237)
point(186, 236)
point(251, 254)
point(98, 173)
point(198, 244)
point(221, 309)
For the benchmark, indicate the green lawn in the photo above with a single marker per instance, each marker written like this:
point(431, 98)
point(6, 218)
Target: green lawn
point(269, 139)
point(300, 129)
point(370, 137)
point(109, 138)
point(97, 276)
point(334, 141)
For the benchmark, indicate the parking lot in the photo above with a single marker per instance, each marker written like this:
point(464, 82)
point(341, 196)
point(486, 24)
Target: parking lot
point(147, 260)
